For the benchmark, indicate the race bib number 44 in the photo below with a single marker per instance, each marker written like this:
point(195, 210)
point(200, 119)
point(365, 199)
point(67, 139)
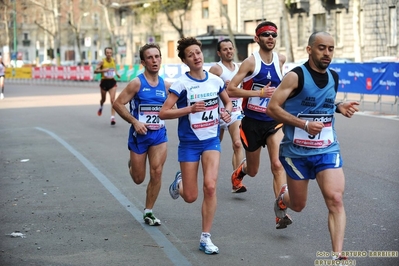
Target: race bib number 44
point(322, 140)
point(149, 114)
point(207, 118)
point(205, 124)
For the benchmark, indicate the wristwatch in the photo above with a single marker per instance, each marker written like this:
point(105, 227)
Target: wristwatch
point(336, 107)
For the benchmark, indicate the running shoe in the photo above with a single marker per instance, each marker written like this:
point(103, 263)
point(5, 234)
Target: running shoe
point(280, 209)
point(113, 121)
point(2, 96)
point(100, 111)
point(236, 179)
point(283, 223)
point(207, 246)
point(174, 187)
point(150, 219)
point(336, 260)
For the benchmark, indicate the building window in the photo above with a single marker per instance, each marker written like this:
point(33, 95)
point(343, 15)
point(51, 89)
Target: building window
point(319, 22)
point(205, 9)
point(338, 29)
point(300, 31)
point(393, 25)
point(96, 19)
point(171, 49)
point(122, 17)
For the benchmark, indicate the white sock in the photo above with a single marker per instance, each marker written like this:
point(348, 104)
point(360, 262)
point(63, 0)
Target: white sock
point(205, 235)
point(286, 191)
point(147, 211)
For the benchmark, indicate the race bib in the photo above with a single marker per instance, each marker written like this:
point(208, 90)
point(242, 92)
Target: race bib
point(257, 104)
point(322, 140)
point(205, 123)
point(110, 73)
point(149, 114)
point(236, 106)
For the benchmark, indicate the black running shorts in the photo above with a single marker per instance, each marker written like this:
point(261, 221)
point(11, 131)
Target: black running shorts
point(254, 133)
point(107, 84)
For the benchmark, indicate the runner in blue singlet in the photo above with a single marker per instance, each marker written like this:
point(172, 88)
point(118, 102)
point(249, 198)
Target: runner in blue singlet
point(147, 135)
point(304, 102)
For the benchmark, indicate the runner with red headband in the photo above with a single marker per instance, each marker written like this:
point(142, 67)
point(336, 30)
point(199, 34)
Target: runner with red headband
point(260, 74)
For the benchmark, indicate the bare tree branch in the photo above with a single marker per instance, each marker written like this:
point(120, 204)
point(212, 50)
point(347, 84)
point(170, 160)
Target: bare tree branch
point(41, 5)
point(44, 28)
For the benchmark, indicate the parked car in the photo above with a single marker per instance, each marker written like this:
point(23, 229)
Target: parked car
point(290, 65)
point(341, 60)
point(385, 59)
point(68, 63)
point(45, 63)
point(86, 63)
point(20, 63)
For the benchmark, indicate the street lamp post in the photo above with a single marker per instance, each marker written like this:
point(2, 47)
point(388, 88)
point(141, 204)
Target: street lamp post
point(58, 17)
point(15, 30)
point(59, 42)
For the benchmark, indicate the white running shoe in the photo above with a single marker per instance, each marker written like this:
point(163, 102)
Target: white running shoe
point(2, 96)
point(207, 246)
point(150, 219)
point(174, 187)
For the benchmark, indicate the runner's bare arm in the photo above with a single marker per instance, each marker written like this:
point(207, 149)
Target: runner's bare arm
point(168, 110)
point(348, 109)
point(247, 67)
point(283, 91)
point(99, 68)
point(228, 106)
point(282, 60)
point(123, 98)
point(216, 69)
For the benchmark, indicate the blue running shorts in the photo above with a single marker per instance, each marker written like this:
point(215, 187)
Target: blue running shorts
point(307, 167)
point(141, 143)
point(191, 151)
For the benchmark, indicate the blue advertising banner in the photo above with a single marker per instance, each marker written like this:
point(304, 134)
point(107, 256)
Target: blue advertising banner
point(368, 78)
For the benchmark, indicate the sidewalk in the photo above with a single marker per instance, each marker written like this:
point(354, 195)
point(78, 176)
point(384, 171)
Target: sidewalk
point(59, 82)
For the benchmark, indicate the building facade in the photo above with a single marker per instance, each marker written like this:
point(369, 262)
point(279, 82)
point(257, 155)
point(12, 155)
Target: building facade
point(363, 29)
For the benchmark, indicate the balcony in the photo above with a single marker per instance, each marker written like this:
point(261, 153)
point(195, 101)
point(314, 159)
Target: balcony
point(334, 4)
point(297, 6)
point(25, 42)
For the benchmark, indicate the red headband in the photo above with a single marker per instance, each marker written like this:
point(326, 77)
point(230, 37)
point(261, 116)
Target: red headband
point(265, 28)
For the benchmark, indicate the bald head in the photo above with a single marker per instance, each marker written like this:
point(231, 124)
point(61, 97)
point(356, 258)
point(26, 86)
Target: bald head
point(321, 50)
point(316, 34)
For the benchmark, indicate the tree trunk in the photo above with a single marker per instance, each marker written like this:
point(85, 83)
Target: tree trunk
point(110, 31)
point(231, 34)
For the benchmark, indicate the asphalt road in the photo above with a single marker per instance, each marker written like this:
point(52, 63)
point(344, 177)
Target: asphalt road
point(64, 184)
